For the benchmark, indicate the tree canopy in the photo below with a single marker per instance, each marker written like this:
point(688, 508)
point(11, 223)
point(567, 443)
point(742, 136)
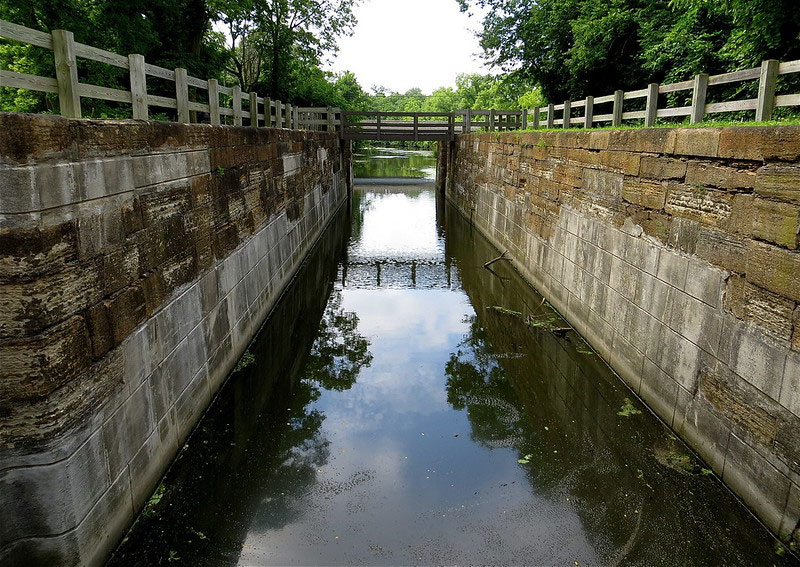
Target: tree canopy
point(572, 48)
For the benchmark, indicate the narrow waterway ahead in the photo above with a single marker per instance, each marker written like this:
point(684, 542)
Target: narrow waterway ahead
point(405, 405)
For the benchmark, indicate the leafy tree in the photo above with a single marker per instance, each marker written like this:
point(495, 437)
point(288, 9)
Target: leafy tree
point(274, 34)
point(571, 48)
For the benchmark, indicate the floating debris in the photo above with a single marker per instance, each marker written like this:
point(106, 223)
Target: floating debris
point(628, 409)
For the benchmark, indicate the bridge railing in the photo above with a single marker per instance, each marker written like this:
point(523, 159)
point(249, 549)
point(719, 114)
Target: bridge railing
point(194, 98)
point(398, 126)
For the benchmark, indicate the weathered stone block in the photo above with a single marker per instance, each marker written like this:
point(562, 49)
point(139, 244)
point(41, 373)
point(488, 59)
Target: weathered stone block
point(662, 168)
point(710, 175)
point(759, 362)
point(707, 206)
point(759, 483)
point(775, 222)
point(790, 391)
point(771, 312)
point(760, 143)
point(779, 181)
point(19, 194)
point(773, 268)
point(673, 268)
point(659, 390)
point(650, 140)
point(649, 194)
point(722, 249)
point(694, 142)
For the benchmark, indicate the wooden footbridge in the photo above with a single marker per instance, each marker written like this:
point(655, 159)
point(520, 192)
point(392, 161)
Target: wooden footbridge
point(189, 99)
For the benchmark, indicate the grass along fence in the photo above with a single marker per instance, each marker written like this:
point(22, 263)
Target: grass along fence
point(223, 104)
point(609, 110)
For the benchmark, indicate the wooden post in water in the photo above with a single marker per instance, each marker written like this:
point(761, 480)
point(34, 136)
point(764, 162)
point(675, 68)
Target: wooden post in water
point(699, 90)
point(213, 101)
point(567, 113)
point(138, 86)
point(616, 119)
point(652, 105)
point(237, 105)
point(765, 104)
point(550, 112)
point(588, 117)
point(182, 94)
point(69, 101)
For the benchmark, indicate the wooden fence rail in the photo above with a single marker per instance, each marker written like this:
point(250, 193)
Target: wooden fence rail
point(256, 110)
point(614, 113)
point(230, 105)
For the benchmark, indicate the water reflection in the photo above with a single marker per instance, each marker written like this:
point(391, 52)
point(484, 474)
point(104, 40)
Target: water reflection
point(394, 163)
point(396, 416)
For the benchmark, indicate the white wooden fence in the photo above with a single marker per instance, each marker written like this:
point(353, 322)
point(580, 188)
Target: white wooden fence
point(258, 111)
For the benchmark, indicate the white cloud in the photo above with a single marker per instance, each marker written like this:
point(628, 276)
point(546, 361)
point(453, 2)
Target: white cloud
point(401, 44)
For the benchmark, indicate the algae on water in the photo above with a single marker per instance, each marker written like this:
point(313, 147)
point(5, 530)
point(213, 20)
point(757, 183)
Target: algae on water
point(628, 409)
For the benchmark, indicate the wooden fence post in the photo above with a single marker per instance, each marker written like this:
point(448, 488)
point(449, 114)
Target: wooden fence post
point(524, 125)
point(296, 117)
point(378, 126)
point(267, 112)
point(69, 101)
point(619, 97)
point(330, 118)
point(289, 116)
point(416, 127)
point(278, 114)
point(253, 109)
point(182, 94)
point(138, 86)
point(468, 121)
point(699, 90)
point(237, 105)
point(766, 90)
point(536, 112)
point(213, 101)
point(451, 126)
point(491, 120)
point(567, 112)
point(550, 112)
point(588, 118)
point(651, 109)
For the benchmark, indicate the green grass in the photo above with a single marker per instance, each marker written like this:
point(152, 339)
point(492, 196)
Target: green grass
point(634, 126)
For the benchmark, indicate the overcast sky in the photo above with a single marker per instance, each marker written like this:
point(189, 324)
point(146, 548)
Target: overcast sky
point(401, 44)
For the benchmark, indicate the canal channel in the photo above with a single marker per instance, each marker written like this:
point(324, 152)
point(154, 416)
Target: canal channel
point(403, 404)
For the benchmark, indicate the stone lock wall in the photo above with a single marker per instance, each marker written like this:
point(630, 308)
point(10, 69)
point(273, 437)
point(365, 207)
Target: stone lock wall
point(137, 260)
point(675, 253)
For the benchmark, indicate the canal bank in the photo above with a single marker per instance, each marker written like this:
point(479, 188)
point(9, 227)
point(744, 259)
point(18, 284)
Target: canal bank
point(406, 405)
point(137, 261)
point(674, 252)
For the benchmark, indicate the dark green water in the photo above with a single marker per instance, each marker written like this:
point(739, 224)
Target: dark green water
point(393, 416)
